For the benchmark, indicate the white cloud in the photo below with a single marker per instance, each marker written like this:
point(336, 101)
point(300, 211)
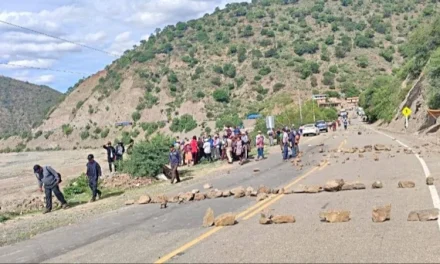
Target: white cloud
point(123, 37)
point(95, 37)
point(42, 63)
point(44, 79)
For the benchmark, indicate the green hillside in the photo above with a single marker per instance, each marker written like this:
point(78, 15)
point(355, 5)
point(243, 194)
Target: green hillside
point(23, 105)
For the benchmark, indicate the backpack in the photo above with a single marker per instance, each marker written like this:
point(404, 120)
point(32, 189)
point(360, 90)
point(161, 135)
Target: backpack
point(59, 175)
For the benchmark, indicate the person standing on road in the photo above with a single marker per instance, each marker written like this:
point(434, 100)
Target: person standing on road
point(228, 148)
point(120, 150)
point(292, 136)
point(259, 142)
point(270, 133)
point(111, 155)
point(285, 144)
point(239, 149)
point(216, 147)
point(194, 150)
point(50, 179)
point(345, 123)
point(246, 145)
point(93, 173)
point(174, 159)
point(207, 150)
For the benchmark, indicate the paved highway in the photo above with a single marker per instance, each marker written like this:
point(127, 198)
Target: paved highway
point(144, 233)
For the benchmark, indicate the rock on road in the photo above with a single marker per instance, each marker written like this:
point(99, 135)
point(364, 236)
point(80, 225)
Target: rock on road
point(144, 233)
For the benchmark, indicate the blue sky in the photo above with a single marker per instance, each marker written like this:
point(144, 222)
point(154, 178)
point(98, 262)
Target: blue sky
point(109, 25)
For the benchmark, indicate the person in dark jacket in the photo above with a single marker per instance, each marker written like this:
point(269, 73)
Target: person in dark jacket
point(111, 155)
point(50, 179)
point(120, 150)
point(174, 163)
point(93, 173)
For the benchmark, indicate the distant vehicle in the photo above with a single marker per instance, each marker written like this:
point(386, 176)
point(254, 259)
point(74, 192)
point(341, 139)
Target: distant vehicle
point(310, 129)
point(126, 123)
point(343, 113)
point(254, 116)
point(322, 125)
point(360, 111)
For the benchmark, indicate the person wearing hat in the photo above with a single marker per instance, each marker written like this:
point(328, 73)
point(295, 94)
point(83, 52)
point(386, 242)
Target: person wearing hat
point(50, 179)
point(111, 155)
point(174, 158)
point(93, 173)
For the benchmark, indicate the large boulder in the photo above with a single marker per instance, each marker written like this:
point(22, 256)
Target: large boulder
point(261, 196)
point(188, 196)
point(263, 189)
point(208, 219)
point(352, 186)
point(313, 189)
point(424, 215)
point(144, 199)
point(199, 196)
point(381, 213)
point(381, 147)
point(334, 185)
point(406, 184)
point(283, 219)
point(238, 192)
point(335, 216)
point(226, 219)
point(377, 185)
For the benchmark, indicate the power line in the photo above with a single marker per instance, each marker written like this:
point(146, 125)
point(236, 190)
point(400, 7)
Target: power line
point(55, 37)
point(45, 69)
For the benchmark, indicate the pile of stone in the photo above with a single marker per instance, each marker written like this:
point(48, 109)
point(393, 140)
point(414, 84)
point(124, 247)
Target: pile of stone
point(267, 219)
point(26, 205)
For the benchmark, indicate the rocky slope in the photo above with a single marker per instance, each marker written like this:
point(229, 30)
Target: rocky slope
point(247, 58)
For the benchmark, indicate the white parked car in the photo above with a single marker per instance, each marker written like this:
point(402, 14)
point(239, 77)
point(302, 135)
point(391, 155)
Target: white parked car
point(310, 129)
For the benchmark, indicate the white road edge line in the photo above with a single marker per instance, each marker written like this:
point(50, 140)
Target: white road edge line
point(432, 189)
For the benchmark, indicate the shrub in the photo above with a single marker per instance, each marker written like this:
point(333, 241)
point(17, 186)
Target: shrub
point(333, 69)
point(97, 130)
point(185, 123)
point(79, 104)
point(229, 70)
point(172, 78)
point(264, 71)
point(216, 81)
point(363, 42)
point(221, 95)
point(302, 47)
point(148, 157)
point(330, 40)
point(200, 94)
point(329, 79)
point(313, 81)
point(76, 186)
point(84, 134)
point(135, 133)
point(136, 116)
point(105, 132)
point(271, 53)
point(434, 101)
point(228, 119)
point(256, 64)
point(47, 134)
point(67, 129)
point(362, 61)
point(218, 69)
point(278, 86)
point(387, 54)
point(38, 134)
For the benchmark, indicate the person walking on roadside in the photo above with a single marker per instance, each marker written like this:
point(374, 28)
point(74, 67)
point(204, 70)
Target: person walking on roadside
point(50, 179)
point(345, 123)
point(270, 133)
point(194, 150)
point(207, 150)
point(120, 150)
point(259, 143)
point(285, 141)
point(174, 159)
point(93, 173)
point(111, 155)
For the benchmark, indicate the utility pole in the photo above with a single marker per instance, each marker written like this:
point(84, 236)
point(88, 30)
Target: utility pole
point(313, 110)
point(300, 107)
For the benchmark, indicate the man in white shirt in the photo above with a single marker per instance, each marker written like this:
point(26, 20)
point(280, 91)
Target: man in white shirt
point(285, 144)
point(270, 133)
point(207, 150)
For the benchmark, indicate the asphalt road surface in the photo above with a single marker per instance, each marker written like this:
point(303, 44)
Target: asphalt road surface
point(145, 233)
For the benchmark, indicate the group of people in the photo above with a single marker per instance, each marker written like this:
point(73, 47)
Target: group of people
point(289, 140)
point(50, 179)
point(114, 155)
point(337, 123)
point(232, 145)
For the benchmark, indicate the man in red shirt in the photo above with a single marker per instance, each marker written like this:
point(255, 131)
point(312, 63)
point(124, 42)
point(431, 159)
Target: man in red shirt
point(194, 149)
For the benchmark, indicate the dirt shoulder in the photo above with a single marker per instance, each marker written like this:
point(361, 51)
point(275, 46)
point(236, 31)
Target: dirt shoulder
point(27, 226)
